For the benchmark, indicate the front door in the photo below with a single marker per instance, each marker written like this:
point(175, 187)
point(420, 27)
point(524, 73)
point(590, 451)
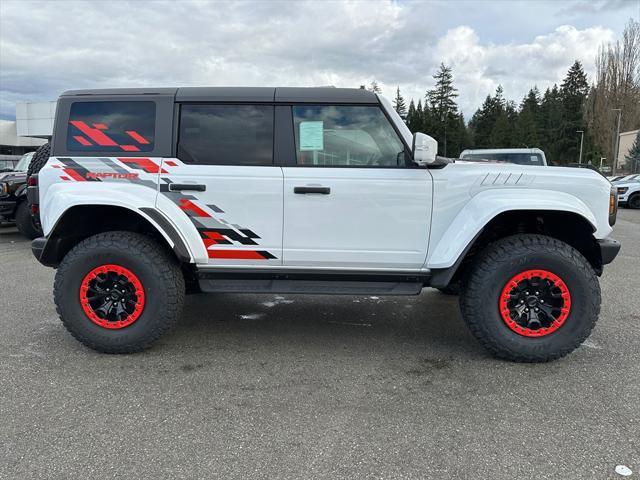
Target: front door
point(224, 180)
point(352, 201)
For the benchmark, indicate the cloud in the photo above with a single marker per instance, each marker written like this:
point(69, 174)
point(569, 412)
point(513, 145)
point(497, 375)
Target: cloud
point(49, 47)
point(479, 69)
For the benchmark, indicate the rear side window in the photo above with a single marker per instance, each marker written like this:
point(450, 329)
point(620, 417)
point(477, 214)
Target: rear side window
point(226, 134)
point(111, 126)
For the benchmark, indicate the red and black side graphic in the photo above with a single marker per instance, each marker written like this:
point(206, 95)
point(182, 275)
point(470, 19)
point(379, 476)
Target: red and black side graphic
point(98, 136)
point(145, 164)
point(73, 171)
point(96, 169)
point(216, 231)
point(207, 218)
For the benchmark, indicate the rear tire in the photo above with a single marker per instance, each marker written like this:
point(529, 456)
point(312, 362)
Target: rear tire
point(25, 222)
point(507, 269)
point(133, 262)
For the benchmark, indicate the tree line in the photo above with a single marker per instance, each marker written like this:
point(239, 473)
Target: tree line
point(557, 120)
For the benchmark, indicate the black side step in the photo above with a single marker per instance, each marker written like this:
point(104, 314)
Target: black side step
point(310, 281)
point(333, 287)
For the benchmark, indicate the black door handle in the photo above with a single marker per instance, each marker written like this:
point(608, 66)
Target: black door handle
point(320, 190)
point(178, 187)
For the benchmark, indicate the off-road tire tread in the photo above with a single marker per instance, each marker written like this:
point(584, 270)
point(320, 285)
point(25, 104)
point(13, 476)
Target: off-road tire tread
point(495, 254)
point(150, 253)
point(39, 159)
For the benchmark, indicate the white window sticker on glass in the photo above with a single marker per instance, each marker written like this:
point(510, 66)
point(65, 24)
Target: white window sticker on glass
point(311, 136)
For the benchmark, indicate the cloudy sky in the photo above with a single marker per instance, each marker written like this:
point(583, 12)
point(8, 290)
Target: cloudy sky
point(50, 46)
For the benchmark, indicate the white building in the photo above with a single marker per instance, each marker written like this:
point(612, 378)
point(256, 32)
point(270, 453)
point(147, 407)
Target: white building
point(624, 145)
point(35, 119)
point(13, 146)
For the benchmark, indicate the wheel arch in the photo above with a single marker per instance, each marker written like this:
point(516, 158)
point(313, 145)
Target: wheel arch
point(567, 226)
point(82, 221)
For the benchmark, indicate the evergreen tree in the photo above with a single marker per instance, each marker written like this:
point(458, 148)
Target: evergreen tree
point(551, 122)
point(573, 93)
point(428, 123)
point(411, 120)
point(441, 117)
point(528, 121)
point(633, 156)
point(420, 118)
point(399, 105)
point(441, 99)
point(375, 88)
point(483, 122)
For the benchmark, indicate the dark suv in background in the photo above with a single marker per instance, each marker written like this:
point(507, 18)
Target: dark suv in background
point(13, 198)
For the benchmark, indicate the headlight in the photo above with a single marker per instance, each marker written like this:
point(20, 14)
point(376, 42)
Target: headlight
point(622, 190)
point(4, 189)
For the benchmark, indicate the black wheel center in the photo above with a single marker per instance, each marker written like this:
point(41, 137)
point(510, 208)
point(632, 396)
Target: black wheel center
point(111, 296)
point(535, 303)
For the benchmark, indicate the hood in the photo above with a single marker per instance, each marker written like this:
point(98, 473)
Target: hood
point(13, 177)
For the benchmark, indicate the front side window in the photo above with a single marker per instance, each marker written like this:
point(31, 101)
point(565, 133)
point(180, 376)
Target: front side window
point(345, 136)
point(111, 126)
point(226, 134)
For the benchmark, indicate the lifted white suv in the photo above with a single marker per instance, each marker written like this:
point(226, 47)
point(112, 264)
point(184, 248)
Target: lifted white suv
point(151, 192)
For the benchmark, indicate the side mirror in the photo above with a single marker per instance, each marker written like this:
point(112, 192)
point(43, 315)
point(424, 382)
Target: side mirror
point(425, 149)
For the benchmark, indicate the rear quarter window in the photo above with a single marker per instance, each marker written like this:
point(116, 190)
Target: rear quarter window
point(111, 126)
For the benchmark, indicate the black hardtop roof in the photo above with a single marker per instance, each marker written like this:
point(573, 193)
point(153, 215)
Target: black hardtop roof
point(242, 94)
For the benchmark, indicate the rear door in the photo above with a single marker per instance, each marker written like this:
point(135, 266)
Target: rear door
point(353, 200)
point(224, 180)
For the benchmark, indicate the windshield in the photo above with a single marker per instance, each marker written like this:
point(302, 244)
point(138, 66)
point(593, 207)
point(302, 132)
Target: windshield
point(23, 164)
point(6, 165)
point(518, 158)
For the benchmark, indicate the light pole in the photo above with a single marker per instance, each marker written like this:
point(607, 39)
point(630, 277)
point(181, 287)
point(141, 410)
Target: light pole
point(581, 132)
point(616, 142)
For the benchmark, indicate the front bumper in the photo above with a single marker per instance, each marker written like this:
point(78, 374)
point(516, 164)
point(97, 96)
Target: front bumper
point(609, 249)
point(7, 209)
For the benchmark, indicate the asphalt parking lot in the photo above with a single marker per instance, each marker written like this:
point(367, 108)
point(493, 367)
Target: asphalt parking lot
point(255, 386)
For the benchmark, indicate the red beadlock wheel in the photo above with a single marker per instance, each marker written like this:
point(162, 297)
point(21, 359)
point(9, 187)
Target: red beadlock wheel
point(535, 303)
point(112, 296)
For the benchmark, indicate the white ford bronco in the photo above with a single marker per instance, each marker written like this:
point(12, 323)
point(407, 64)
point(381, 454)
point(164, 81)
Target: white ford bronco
point(149, 193)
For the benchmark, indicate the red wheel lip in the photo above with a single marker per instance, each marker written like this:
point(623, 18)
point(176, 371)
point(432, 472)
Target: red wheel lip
point(131, 277)
point(526, 275)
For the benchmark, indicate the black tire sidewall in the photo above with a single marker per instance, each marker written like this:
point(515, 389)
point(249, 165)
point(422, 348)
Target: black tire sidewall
point(634, 201)
point(578, 324)
point(24, 221)
point(154, 285)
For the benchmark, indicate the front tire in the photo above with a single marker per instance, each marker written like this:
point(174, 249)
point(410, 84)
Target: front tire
point(530, 298)
point(118, 292)
point(634, 201)
point(25, 222)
